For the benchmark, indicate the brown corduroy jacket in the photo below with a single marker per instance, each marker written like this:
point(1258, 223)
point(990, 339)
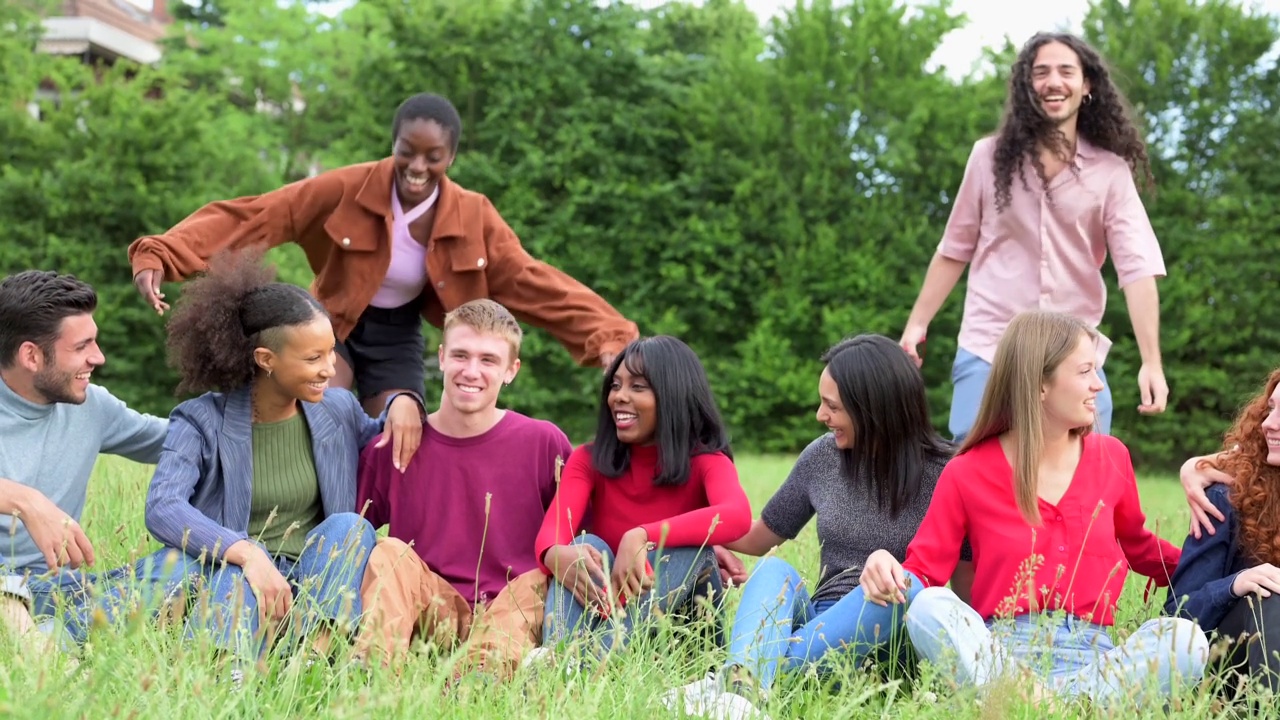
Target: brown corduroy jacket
point(342, 220)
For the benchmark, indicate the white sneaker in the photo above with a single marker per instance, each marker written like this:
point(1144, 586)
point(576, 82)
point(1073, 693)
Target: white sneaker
point(543, 657)
point(704, 699)
point(537, 656)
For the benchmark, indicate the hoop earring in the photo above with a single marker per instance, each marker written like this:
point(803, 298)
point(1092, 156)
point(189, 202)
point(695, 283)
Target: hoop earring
point(1088, 98)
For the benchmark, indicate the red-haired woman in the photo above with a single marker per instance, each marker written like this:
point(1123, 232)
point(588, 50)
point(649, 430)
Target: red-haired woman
point(1228, 580)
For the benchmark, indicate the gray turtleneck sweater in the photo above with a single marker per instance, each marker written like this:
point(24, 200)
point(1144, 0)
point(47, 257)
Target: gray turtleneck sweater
point(52, 448)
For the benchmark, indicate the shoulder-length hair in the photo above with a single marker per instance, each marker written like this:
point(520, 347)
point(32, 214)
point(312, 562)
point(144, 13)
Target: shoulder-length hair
point(688, 421)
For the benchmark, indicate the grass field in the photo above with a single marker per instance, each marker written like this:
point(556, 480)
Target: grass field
point(141, 671)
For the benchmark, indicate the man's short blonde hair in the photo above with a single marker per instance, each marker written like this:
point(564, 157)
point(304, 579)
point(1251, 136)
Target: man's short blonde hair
point(487, 318)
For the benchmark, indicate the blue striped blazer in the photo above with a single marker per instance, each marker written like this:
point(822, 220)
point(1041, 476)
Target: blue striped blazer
point(200, 494)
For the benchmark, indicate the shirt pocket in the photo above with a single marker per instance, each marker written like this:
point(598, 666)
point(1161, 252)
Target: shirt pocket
point(350, 234)
point(468, 257)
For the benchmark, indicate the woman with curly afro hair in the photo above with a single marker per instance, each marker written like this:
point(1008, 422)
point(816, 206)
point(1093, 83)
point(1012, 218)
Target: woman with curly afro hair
point(1229, 579)
point(256, 483)
point(1042, 203)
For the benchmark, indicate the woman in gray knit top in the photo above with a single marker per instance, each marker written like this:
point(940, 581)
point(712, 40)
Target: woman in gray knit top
point(869, 481)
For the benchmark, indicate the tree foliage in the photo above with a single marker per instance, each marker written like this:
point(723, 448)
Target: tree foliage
point(760, 191)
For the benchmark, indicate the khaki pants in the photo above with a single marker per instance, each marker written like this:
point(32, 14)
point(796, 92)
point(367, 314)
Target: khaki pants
point(403, 598)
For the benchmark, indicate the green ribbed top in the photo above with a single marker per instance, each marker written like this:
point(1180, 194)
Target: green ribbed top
point(284, 481)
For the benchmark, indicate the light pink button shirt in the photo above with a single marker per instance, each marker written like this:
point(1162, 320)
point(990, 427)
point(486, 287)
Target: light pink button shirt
point(1046, 251)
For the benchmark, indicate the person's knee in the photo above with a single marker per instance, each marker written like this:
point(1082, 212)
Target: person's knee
point(348, 529)
point(1187, 638)
point(392, 547)
point(592, 541)
point(1180, 639)
point(774, 565)
point(930, 605)
point(1266, 611)
point(777, 569)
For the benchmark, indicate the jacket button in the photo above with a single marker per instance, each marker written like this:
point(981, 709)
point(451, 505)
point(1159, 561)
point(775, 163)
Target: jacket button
point(346, 242)
point(480, 262)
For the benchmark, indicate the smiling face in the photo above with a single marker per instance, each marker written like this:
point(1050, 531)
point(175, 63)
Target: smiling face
point(832, 413)
point(475, 366)
point(1271, 428)
point(634, 407)
point(63, 375)
point(1058, 81)
point(1069, 398)
point(303, 366)
point(423, 152)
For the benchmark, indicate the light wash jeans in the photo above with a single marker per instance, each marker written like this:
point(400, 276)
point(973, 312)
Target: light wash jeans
point(326, 580)
point(67, 601)
point(1071, 657)
point(969, 378)
point(681, 576)
point(777, 627)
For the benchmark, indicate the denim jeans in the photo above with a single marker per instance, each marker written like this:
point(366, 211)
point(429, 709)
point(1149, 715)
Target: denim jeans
point(778, 628)
point(68, 600)
point(682, 577)
point(969, 378)
point(1071, 657)
point(326, 580)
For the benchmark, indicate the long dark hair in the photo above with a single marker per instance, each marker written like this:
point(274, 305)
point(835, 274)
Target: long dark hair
point(883, 393)
point(223, 315)
point(688, 422)
point(1105, 121)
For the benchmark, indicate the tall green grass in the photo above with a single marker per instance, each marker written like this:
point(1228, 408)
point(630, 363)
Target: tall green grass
point(141, 670)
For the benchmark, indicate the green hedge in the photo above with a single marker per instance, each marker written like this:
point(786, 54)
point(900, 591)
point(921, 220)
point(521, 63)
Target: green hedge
point(760, 192)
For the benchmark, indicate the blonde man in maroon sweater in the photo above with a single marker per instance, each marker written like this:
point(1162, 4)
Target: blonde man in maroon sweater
point(459, 564)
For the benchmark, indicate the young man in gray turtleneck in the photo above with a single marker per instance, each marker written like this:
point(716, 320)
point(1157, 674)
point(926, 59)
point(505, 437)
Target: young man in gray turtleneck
point(54, 424)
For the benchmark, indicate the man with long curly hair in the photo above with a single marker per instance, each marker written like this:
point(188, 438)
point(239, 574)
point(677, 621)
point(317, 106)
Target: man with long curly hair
point(1042, 203)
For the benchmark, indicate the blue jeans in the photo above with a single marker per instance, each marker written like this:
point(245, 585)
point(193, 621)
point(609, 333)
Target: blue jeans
point(682, 576)
point(1070, 656)
point(778, 628)
point(73, 597)
point(969, 378)
point(325, 578)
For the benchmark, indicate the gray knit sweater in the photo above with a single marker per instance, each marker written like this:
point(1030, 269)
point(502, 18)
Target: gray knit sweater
point(851, 525)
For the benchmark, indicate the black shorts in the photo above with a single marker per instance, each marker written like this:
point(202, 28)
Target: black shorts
point(385, 350)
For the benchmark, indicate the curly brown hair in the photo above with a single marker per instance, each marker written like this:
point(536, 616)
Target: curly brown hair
point(1104, 120)
point(223, 315)
point(1255, 494)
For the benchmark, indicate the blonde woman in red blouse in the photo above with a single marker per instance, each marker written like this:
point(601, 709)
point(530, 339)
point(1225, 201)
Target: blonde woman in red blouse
point(1052, 512)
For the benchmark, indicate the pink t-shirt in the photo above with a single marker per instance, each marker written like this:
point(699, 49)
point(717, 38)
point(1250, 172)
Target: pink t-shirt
point(407, 274)
point(469, 503)
point(1046, 252)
